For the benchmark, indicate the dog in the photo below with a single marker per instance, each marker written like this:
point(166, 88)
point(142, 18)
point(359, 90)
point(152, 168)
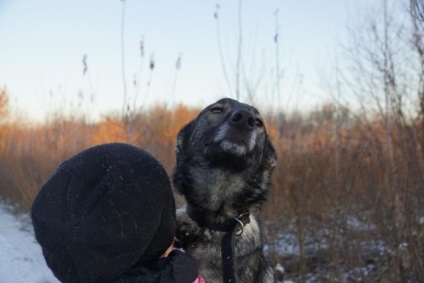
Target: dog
point(224, 165)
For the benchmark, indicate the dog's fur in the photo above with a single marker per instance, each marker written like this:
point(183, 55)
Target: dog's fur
point(224, 165)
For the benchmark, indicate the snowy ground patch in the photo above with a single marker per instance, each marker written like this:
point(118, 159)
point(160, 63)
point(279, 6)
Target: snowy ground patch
point(21, 259)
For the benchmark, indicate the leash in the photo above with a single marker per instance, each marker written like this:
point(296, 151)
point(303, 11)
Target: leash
point(233, 227)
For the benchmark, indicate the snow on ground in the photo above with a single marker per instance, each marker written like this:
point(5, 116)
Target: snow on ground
point(21, 259)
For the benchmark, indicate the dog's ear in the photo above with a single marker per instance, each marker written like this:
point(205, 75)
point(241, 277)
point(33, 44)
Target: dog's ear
point(270, 155)
point(183, 139)
point(180, 175)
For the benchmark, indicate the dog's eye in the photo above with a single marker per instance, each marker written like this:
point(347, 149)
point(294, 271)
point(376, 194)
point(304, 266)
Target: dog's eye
point(216, 109)
point(259, 122)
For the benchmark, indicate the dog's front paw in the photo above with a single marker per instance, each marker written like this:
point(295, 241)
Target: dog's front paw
point(187, 231)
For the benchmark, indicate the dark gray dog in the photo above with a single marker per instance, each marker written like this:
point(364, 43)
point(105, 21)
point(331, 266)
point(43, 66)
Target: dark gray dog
point(224, 166)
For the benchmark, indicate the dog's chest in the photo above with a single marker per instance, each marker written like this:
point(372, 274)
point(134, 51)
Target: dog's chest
point(247, 249)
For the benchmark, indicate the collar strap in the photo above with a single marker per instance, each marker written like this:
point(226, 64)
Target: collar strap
point(226, 226)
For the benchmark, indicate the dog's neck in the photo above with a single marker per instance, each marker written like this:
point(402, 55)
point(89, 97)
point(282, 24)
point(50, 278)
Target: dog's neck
point(219, 224)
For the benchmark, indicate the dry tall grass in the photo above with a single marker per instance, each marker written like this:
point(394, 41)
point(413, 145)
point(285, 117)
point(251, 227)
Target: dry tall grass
point(342, 209)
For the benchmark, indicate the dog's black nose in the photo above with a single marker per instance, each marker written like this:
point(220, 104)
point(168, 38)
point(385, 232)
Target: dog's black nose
point(243, 119)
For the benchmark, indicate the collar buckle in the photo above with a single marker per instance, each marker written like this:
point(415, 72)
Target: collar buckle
point(242, 220)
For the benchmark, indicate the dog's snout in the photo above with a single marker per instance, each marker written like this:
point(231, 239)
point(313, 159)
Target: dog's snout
point(243, 118)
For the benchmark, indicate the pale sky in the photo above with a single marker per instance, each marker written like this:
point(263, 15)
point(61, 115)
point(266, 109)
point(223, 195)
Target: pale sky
point(44, 41)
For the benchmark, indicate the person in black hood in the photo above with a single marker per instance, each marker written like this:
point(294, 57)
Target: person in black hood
point(108, 215)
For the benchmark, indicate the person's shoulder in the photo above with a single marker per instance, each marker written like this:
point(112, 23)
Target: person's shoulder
point(184, 266)
point(177, 267)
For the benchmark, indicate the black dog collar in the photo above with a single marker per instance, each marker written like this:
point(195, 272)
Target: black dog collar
point(227, 245)
point(228, 225)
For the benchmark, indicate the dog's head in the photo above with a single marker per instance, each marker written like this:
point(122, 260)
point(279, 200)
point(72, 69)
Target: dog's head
point(222, 154)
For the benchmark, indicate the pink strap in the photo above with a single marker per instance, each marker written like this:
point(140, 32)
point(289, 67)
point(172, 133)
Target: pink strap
point(200, 279)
